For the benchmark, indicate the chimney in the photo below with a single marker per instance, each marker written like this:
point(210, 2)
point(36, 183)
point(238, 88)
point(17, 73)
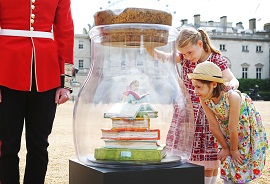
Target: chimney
point(184, 21)
point(223, 21)
point(239, 25)
point(197, 19)
point(211, 23)
point(266, 27)
point(252, 25)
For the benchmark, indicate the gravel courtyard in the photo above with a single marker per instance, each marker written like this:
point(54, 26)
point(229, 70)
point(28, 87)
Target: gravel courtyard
point(61, 147)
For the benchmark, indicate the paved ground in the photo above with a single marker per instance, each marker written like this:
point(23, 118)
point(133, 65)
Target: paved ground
point(62, 148)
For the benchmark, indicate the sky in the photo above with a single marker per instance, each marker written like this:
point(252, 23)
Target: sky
point(236, 10)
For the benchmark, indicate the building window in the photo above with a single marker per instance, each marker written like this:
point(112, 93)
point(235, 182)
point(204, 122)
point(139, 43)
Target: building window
point(244, 73)
point(140, 59)
point(258, 73)
point(80, 64)
point(259, 49)
point(123, 64)
point(222, 47)
point(123, 60)
point(80, 44)
point(228, 62)
point(259, 68)
point(244, 48)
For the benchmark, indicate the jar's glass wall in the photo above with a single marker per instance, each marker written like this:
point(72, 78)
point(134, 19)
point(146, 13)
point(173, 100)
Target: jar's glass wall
point(139, 58)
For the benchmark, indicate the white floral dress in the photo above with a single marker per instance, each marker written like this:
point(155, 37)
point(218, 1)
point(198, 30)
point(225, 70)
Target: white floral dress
point(252, 140)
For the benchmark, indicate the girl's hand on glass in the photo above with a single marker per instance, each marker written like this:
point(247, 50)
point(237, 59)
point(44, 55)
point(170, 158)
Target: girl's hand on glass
point(223, 154)
point(229, 86)
point(237, 157)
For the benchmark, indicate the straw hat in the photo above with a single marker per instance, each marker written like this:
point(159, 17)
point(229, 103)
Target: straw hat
point(207, 71)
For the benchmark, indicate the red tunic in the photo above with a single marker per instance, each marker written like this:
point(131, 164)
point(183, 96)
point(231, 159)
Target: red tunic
point(16, 53)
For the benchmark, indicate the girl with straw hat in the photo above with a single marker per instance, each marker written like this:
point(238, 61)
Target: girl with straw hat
point(195, 47)
point(235, 123)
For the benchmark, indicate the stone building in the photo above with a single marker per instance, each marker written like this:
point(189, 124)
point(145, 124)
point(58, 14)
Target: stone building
point(247, 50)
point(82, 61)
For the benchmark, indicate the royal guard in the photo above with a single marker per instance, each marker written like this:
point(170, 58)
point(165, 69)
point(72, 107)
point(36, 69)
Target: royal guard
point(36, 59)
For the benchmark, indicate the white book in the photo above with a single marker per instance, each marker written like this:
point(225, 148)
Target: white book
point(131, 144)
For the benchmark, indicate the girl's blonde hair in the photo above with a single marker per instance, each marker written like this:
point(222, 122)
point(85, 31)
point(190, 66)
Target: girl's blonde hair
point(190, 34)
point(135, 83)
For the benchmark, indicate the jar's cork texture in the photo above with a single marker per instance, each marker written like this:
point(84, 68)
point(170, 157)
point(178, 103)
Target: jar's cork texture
point(133, 15)
point(133, 36)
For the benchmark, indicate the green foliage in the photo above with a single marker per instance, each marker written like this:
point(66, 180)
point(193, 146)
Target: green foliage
point(265, 95)
point(264, 86)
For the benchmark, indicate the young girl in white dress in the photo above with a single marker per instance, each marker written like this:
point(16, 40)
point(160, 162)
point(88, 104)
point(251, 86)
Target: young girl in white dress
point(235, 123)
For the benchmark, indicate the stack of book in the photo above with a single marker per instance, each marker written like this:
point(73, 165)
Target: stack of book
point(131, 138)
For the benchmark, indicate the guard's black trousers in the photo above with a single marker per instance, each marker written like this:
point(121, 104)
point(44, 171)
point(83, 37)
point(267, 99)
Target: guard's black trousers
point(36, 111)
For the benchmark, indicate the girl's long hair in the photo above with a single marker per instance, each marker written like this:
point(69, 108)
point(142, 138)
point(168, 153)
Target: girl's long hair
point(218, 90)
point(190, 34)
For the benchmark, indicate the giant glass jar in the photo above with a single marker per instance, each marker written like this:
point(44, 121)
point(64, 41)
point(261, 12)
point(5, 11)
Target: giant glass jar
point(133, 109)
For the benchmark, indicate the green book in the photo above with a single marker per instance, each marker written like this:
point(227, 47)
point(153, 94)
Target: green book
point(124, 154)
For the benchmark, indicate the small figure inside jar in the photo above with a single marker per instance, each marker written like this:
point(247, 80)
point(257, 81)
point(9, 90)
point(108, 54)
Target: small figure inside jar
point(131, 94)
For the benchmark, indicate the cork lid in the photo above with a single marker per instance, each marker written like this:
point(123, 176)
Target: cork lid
point(132, 15)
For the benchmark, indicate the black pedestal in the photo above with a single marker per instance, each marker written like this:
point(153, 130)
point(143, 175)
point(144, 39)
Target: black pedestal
point(186, 173)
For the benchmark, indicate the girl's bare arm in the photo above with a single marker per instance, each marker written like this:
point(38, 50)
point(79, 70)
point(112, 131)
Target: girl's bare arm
point(214, 126)
point(232, 82)
point(233, 126)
